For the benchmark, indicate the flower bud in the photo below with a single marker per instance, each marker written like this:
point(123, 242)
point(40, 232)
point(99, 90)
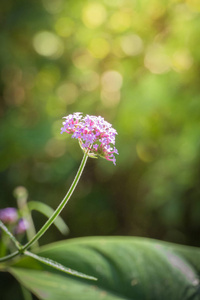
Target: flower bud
point(22, 226)
point(8, 215)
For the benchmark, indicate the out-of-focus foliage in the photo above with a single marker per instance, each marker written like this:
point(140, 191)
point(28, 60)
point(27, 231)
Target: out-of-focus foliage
point(137, 64)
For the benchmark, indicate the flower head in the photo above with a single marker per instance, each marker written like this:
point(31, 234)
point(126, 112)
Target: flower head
point(95, 135)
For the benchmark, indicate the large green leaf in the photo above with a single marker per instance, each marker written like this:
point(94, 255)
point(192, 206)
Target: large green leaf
point(126, 268)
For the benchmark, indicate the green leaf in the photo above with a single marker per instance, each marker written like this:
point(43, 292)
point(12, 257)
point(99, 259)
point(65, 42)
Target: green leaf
point(48, 211)
point(126, 268)
point(57, 266)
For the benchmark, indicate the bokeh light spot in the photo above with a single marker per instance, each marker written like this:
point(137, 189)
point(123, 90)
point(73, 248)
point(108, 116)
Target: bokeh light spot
point(64, 27)
point(181, 60)
point(110, 99)
point(94, 14)
point(131, 44)
point(48, 44)
point(114, 3)
point(67, 92)
point(99, 47)
point(53, 6)
point(48, 77)
point(111, 81)
point(90, 81)
point(120, 21)
point(82, 59)
point(156, 60)
point(193, 5)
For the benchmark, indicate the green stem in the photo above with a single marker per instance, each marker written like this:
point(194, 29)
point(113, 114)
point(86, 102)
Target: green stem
point(12, 255)
point(60, 207)
point(11, 236)
point(21, 248)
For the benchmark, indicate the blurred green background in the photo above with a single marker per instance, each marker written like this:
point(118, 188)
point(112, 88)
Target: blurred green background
point(137, 64)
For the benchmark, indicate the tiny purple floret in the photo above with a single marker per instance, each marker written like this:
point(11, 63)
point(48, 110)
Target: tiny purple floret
point(95, 135)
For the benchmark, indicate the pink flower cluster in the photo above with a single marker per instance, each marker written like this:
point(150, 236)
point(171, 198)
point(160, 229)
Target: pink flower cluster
point(95, 135)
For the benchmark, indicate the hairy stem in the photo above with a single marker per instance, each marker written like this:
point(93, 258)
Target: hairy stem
point(50, 221)
point(12, 255)
point(11, 236)
point(61, 205)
